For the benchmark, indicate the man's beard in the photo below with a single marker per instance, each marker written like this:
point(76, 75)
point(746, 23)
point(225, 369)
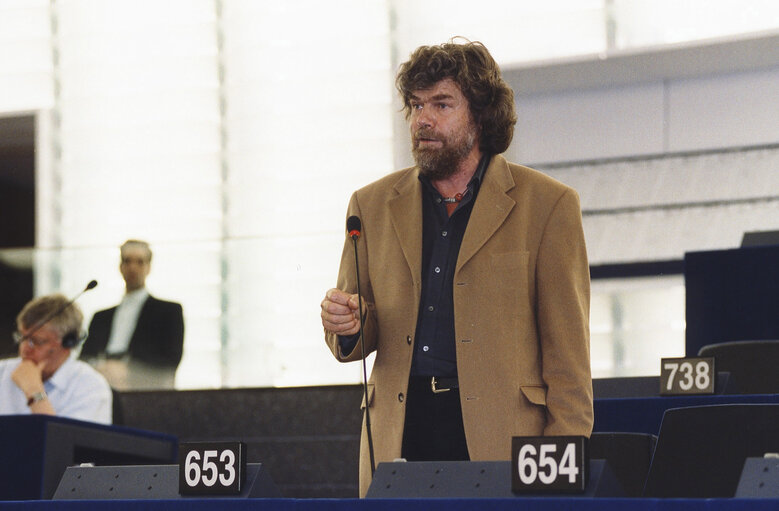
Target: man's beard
point(441, 163)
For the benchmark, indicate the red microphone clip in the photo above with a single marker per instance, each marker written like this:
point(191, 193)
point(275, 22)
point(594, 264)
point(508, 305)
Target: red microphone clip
point(353, 227)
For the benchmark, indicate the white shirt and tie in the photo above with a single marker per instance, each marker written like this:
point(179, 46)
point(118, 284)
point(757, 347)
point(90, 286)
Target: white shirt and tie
point(126, 373)
point(120, 349)
point(125, 319)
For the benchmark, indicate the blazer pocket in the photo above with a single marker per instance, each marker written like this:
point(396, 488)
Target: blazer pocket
point(370, 396)
point(536, 394)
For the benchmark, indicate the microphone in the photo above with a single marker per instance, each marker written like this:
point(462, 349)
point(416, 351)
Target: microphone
point(92, 285)
point(353, 228)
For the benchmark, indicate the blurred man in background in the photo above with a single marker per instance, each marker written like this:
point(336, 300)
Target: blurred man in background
point(139, 343)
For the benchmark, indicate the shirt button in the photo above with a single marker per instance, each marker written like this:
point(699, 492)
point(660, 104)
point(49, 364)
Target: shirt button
point(444, 233)
point(430, 308)
point(408, 339)
point(437, 269)
point(425, 348)
point(400, 397)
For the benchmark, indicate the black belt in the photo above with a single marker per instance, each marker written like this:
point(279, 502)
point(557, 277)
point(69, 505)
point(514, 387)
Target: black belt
point(438, 385)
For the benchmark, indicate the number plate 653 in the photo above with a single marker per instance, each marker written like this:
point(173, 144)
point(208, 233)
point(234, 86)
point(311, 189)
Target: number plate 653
point(211, 468)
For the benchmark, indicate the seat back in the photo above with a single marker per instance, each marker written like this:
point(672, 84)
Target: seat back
point(753, 365)
point(701, 450)
point(628, 454)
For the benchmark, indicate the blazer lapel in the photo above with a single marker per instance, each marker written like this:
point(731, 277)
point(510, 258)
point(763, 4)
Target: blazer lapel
point(492, 207)
point(406, 214)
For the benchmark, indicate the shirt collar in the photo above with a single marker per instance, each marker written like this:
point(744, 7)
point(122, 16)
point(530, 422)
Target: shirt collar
point(137, 296)
point(478, 176)
point(62, 375)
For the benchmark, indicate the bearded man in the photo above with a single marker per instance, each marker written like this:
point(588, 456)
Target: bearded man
point(474, 277)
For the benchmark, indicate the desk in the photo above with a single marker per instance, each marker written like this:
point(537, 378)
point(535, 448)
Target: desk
point(35, 449)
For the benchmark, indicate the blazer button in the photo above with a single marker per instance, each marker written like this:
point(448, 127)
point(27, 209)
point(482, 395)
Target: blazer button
point(408, 339)
point(400, 397)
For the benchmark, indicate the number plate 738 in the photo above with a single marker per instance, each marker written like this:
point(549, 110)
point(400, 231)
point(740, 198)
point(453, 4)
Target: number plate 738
point(687, 376)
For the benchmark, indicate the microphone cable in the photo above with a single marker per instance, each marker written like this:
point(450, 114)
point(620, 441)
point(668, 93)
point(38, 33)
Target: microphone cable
point(353, 227)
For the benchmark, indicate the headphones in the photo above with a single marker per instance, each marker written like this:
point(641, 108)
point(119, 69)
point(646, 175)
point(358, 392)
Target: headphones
point(73, 339)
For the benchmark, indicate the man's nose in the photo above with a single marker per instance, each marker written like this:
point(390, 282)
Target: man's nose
point(424, 119)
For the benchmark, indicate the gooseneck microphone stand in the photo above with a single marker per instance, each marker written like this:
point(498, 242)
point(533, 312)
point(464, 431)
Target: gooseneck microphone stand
point(353, 226)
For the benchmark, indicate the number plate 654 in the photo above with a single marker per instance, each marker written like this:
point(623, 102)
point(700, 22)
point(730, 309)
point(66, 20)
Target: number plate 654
point(549, 464)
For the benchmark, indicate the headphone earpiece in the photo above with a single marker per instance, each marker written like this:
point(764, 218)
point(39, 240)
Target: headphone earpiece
point(72, 339)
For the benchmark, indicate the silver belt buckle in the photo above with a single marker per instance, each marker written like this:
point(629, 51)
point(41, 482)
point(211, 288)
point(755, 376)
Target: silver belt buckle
point(437, 390)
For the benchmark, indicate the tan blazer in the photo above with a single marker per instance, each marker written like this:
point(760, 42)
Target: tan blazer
point(521, 303)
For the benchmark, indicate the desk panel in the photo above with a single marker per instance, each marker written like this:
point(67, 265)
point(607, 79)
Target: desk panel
point(35, 449)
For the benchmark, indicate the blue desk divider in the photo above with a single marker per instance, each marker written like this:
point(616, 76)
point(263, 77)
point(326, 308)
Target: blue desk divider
point(36, 449)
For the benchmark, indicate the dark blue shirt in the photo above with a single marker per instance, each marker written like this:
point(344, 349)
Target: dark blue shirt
point(442, 235)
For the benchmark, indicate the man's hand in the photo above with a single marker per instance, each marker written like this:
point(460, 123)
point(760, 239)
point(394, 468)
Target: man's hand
point(340, 312)
point(29, 376)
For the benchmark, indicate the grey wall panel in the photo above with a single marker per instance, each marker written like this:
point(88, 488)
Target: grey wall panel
point(665, 234)
point(587, 124)
point(673, 180)
point(724, 111)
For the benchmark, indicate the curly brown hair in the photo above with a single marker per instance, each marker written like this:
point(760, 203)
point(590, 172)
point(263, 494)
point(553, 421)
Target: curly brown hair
point(473, 69)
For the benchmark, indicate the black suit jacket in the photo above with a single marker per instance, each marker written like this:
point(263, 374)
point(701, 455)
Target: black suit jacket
point(158, 337)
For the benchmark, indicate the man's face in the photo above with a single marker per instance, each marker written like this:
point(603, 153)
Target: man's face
point(45, 345)
point(135, 267)
point(442, 131)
